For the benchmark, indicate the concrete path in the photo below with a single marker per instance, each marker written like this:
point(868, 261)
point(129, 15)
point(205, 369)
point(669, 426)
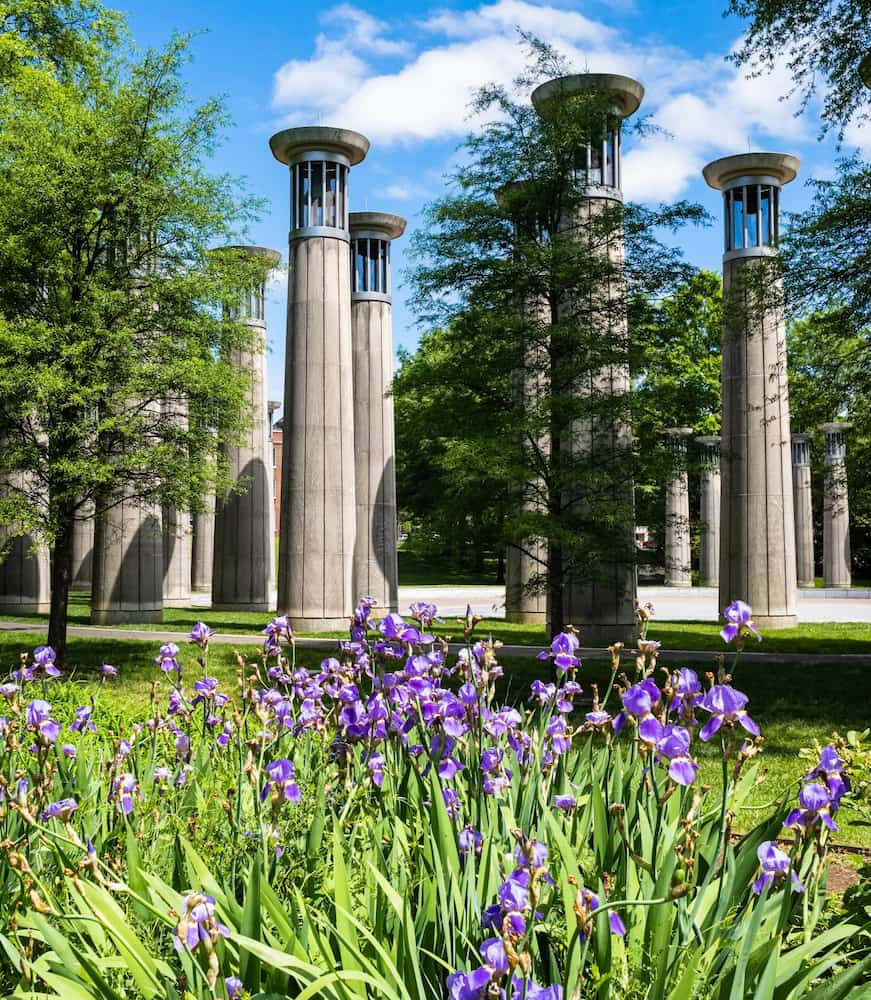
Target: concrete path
point(670, 603)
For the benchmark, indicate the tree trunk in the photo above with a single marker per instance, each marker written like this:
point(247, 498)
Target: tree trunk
point(61, 580)
point(500, 566)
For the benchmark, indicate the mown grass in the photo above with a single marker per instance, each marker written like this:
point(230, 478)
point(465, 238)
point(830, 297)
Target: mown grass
point(794, 704)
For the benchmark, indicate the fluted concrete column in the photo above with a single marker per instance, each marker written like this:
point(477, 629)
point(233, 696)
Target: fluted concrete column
point(83, 548)
point(678, 559)
point(836, 508)
point(128, 563)
point(203, 547)
point(709, 529)
point(318, 491)
point(603, 605)
point(757, 540)
point(376, 572)
point(25, 570)
point(802, 505)
point(242, 571)
point(176, 529)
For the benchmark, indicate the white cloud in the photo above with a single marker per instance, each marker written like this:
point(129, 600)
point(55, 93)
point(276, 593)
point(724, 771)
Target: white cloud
point(706, 104)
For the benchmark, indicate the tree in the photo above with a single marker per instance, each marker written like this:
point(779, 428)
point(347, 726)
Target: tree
point(515, 253)
point(675, 345)
point(828, 46)
point(113, 311)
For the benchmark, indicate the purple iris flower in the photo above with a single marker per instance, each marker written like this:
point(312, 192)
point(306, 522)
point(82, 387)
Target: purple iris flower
point(281, 776)
point(198, 923)
point(533, 991)
point(638, 701)
point(200, 635)
point(469, 840)
point(739, 621)
point(726, 705)
point(531, 854)
point(563, 649)
point(234, 986)
point(687, 691)
point(375, 764)
point(167, 659)
point(815, 806)
point(672, 744)
point(68, 750)
point(124, 789)
point(598, 718)
point(9, 691)
point(493, 953)
point(831, 770)
point(565, 802)
point(776, 865)
point(43, 665)
point(207, 690)
point(37, 712)
point(61, 810)
point(452, 802)
point(107, 670)
point(83, 720)
point(514, 891)
point(469, 985)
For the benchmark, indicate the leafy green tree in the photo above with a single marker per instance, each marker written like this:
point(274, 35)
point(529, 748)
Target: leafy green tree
point(112, 308)
point(828, 381)
point(675, 345)
point(827, 45)
point(515, 254)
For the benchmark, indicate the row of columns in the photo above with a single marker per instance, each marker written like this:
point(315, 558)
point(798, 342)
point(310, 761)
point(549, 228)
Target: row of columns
point(836, 536)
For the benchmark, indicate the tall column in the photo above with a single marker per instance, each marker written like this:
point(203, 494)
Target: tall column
point(376, 572)
point(128, 563)
point(802, 505)
point(83, 548)
point(678, 559)
point(836, 509)
point(176, 530)
point(25, 570)
point(757, 535)
point(709, 530)
point(318, 495)
point(242, 571)
point(602, 603)
point(203, 547)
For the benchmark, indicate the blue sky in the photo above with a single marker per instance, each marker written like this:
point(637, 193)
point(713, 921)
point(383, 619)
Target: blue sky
point(402, 74)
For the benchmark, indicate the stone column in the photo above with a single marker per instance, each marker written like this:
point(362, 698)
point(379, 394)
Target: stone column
point(803, 507)
point(709, 534)
point(757, 533)
point(128, 563)
point(318, 494)
point(836, 509)
point(203, 547)
point(242, 572)
point(176, 530)
point(376, 572)
point(83, 548)
point(25, 569)
point(603, 605)
point(678, 559)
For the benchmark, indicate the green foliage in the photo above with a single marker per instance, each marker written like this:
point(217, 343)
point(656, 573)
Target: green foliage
point(370, 896)
point(115, 351)
point(823, 44)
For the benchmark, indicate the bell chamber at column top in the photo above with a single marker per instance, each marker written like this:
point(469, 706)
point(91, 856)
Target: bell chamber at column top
point(751, 184)
point(320, 159)
point(371, 235)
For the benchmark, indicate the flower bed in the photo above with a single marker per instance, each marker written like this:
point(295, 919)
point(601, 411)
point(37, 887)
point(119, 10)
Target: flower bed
point(382, 828)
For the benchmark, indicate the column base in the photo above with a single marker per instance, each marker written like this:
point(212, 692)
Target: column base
point(25, 608)
point(841, 584)
point(319, 624)
point(80, 586)
point(177, 602)
point(679, 581)
point(712, 583)
point(127, 617)
point(807, 584)
point(263, 608)
point(774, 622)
point(526, 617)
point(603, 636)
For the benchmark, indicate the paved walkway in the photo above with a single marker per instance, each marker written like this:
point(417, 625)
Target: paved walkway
point(670, 603)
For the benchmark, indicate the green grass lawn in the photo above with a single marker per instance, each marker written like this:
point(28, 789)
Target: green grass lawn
point(438, 571)
point(794, 704)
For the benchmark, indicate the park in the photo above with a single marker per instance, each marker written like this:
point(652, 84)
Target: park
point(435, 515)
